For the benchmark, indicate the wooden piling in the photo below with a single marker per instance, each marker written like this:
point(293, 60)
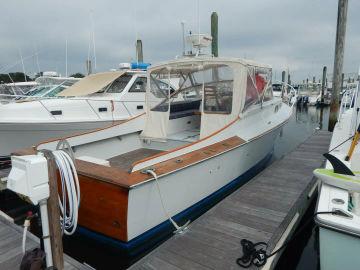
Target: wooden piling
point(214, 34)
point(54, 214)
point(342, 82)
point(323, 84)
point(338, 61)
point(289, 79)
point(139, 51)
point(283, 83)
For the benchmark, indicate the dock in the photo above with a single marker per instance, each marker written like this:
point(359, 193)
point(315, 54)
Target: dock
point(11, 246)
point(268, 208)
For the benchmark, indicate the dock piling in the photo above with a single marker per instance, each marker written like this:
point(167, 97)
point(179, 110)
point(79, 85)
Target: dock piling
point(283, 83)
point(139, 51)
point(54, 214)
point(214, 34)
point(323, 84)
point(338, 61)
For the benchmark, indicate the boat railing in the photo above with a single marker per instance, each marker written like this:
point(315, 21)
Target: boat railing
point(289, 96)
point(349, 100)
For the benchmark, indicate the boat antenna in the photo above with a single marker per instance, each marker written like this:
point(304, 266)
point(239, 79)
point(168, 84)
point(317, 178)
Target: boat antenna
point(136, 31)
point(93, 36)
point(183, 37)
point(66, 57)
point(198, 22)
point(22, 63)
point(37, 58)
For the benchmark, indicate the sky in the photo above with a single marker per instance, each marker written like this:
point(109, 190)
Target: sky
point(288, 34)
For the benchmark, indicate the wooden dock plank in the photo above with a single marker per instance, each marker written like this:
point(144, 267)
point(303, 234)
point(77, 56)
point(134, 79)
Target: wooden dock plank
point(260, 210)
point(11, 247)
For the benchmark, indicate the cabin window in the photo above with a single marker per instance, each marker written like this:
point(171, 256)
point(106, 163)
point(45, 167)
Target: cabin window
point(139, 86)
point(159, 92)
point(118, 85)
point(213, 83)
point(55, 91)
point(268, 94)
point(258, 86)
point(218, 90)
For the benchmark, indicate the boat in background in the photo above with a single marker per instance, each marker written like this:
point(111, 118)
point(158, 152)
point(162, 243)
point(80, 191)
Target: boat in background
point(145, 177)
point(339, 233)
point(42, 86)
point(96, 101)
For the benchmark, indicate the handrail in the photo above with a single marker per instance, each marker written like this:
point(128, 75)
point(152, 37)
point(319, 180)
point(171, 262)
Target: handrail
point(287, 94)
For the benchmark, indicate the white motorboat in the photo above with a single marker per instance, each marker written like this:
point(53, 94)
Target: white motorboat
point(43, 86)
point(339, 192)
point(96, 101)
point(211, 134)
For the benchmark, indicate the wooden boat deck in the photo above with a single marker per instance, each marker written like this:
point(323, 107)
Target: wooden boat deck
point(11, 250)
point(125, 161)
point(268, 208)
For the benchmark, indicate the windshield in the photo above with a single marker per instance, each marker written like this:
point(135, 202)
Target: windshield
point(56, 90)
point(38, 91)
point(214, 82)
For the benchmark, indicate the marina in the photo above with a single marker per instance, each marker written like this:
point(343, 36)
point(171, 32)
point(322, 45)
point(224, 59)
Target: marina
point(190, 156)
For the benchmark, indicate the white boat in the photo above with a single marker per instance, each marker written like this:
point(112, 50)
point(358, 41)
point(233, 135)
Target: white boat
point(340, 233)
point(43, 86)
point(211, 134)
point(96, 101)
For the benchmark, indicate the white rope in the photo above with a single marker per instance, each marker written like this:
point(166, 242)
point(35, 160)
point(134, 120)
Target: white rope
point(70, 201)
point(26, 226)
point(162, 200)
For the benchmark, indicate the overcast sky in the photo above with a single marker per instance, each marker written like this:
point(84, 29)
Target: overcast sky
point(299, 35)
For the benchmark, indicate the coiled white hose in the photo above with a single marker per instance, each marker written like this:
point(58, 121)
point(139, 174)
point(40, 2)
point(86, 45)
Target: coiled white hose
point(70, 201)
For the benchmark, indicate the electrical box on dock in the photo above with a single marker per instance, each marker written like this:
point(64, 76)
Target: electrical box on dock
point(29, 177)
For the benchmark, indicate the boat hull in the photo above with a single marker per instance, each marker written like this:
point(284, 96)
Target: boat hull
point(186, 193)
point(15, 136)
point(338, 250)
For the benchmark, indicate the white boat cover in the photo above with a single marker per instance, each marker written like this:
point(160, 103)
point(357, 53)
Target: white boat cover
point(157, 122)
point(91, 84)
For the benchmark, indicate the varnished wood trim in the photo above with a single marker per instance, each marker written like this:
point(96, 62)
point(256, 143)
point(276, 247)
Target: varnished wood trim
point(103, 207)
point(127, 180)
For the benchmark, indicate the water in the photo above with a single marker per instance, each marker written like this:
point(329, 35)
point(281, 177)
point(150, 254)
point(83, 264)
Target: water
point(301, 254)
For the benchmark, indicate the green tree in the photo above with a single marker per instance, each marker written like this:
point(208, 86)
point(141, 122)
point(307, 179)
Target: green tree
point(15, 76)
point(77, 75)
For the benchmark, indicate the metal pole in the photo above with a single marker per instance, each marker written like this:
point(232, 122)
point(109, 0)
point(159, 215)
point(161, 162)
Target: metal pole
point(183, 37)
point(214, 34)
point(323, 85)
point(338, 61)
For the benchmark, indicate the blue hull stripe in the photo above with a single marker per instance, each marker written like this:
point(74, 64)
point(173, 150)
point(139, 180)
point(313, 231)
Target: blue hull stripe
point(161, 232)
